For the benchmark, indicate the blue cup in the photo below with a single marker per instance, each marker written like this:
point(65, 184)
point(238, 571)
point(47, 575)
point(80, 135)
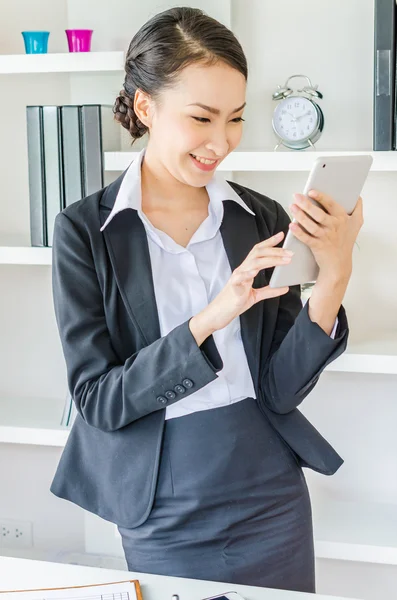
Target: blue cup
point(36, 42)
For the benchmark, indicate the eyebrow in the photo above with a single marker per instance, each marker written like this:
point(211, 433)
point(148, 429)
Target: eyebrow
point(215, 111)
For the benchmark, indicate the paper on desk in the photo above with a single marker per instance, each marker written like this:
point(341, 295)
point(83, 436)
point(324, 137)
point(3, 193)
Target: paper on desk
point(125, 590)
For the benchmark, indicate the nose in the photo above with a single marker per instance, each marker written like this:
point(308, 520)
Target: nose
point(219, 143)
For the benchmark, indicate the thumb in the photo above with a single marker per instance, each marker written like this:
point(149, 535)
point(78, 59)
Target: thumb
point(357, 213)
point(267, 292)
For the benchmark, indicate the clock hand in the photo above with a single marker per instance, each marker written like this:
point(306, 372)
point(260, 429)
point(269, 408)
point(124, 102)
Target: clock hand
point(304, 115)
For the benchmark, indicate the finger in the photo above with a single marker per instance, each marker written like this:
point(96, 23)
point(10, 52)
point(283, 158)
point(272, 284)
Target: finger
point(268, 292)
point(312, 227)
point(301, 235)
point(358, 210)
point(272, 241)
point(244, 277)
point(265, 262)
point(260, 253)
point(315, 212)
point(330, 205)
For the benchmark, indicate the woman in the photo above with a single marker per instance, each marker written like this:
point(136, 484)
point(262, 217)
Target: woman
point(186, 368)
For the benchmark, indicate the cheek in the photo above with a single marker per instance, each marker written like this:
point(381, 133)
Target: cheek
point(189, 135)
point(235, 136)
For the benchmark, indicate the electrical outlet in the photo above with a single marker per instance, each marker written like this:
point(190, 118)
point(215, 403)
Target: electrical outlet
point(15, 534)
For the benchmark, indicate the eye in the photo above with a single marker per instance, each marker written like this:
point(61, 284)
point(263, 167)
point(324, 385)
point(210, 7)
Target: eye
point(205, 120)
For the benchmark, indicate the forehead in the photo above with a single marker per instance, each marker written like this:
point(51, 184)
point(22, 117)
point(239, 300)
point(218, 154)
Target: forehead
point(220, 86)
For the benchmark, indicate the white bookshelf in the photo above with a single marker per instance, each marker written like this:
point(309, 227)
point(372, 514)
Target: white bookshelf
point(344, 531)
point(25, 255)
point(267, 161)
point(65, 62)
point(32, 421)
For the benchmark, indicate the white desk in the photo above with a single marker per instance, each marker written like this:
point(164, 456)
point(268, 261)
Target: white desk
point(17, 573)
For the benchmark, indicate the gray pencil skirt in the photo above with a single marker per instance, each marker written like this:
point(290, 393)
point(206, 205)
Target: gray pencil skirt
point(231, 505)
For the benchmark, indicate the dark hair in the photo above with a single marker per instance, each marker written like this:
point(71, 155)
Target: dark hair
point(165, 45)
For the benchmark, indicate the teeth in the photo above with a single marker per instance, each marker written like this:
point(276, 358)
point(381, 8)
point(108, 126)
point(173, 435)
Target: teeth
point(205, 161)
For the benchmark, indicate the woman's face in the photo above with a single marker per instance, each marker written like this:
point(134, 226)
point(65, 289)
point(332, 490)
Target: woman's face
point(179, 127)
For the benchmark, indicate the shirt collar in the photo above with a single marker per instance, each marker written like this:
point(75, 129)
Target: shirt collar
point(129, 194)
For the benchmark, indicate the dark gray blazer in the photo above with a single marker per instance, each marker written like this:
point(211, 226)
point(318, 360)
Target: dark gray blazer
point(119, 368)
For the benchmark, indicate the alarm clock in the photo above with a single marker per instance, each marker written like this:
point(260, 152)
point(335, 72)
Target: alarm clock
point(297, 119)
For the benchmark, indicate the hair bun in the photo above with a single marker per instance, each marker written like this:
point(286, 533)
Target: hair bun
point(124, 114)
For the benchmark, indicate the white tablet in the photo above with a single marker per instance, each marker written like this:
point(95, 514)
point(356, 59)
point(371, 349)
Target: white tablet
point(342, 178)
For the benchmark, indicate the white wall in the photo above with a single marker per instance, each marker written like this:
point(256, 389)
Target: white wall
point(25, 475)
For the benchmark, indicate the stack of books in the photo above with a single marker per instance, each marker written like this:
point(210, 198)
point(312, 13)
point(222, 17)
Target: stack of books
point(385, 80)
point(66, 146)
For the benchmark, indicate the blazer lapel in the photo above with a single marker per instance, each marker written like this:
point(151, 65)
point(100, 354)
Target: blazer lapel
point(240, 233)
point(127, 243)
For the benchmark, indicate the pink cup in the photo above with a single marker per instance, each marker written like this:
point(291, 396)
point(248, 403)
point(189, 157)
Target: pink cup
point(79, 40)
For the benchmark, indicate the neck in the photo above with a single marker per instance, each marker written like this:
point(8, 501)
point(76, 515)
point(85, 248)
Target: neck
point(160, 190)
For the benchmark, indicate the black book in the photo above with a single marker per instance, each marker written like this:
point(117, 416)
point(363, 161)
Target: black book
point(53, 166)
point(71, 151)
point(384, 74)
point(91, 148)
point(36, 168)
point(99, 133)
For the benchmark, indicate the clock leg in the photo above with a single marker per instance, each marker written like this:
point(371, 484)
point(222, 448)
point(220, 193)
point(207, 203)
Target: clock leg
point(280, 143)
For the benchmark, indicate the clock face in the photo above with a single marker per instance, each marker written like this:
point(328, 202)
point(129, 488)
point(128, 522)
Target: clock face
point(295, 118)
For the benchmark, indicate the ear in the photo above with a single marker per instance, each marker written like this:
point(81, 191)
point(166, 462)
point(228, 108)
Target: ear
point(143, 107)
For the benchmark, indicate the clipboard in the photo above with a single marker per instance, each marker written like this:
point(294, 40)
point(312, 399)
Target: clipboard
point(118, 590)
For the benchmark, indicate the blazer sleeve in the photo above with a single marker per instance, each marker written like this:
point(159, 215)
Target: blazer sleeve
point(300, 348)
point(108, 394)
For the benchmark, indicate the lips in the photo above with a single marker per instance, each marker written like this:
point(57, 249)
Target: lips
point(202, 166)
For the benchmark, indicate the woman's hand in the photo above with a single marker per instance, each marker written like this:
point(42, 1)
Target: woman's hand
point(238, 295)
point(329, 231)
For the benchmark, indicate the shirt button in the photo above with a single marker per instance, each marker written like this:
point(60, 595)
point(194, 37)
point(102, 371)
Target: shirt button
point(179, 389)
point(161, 400)
point(170, 395)
point(188, 383)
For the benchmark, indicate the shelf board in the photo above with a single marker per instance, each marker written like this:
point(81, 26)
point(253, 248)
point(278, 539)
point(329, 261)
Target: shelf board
point(66, 62)
point(355, 531)
point(25, 255)
point(267, 161)
point(32, 421)
point(368, 356)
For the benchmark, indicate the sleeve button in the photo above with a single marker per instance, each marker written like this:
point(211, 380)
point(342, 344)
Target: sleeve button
point(188, 383)
point(161, 400)
point(170, 395)
point(179, 389)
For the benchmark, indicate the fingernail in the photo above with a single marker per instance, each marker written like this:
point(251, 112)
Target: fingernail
point(289, 252)
point(286, 258)
point(313, 194)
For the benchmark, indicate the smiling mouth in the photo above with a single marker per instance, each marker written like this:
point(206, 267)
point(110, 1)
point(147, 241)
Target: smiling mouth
point(204, 161)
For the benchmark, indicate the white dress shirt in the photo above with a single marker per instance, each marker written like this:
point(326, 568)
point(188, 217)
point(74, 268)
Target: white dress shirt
point(186, 280)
